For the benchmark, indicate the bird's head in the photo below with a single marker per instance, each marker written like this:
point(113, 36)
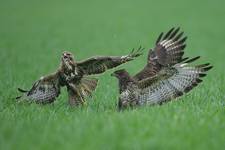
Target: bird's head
point(67, 56)
point(123, 76)
point(122, 73)
point(67, 60)
point(125, 80)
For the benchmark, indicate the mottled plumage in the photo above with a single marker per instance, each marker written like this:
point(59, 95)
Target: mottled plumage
point(168, 51)
point(74, 75)
point(79, 85)
point(165, 77)
point(43, 91)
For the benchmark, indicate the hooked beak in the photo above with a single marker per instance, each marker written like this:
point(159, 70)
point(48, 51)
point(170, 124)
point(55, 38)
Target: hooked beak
point(64, 55)
point(113, 74)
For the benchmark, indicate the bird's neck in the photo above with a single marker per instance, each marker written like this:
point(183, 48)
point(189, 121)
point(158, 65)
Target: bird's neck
point(66, 67)
point(124, 82)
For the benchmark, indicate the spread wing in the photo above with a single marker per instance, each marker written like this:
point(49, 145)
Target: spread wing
point(172, 82)
point(44, 90)
point(100, 64)
point(169, 49)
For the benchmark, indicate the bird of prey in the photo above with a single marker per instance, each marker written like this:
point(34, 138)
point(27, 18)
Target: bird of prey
point(165, 77)
point(74, 75)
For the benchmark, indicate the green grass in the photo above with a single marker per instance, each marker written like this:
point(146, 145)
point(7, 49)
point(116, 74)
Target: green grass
point(33, 35)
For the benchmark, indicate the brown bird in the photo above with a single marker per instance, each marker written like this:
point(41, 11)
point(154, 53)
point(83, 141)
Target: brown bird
point(74, 75)
point(165, 77)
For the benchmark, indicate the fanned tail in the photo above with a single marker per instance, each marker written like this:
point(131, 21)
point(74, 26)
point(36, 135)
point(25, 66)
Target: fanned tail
point(87, 86)
point(79, 92)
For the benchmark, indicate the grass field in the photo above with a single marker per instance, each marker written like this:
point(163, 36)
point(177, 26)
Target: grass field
point(33, 35)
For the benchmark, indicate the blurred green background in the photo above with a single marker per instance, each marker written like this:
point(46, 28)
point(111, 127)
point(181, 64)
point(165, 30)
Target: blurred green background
point(33, 35)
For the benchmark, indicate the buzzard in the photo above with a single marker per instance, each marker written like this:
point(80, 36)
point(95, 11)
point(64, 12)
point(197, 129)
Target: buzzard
point(75, 76)
point(165, 77)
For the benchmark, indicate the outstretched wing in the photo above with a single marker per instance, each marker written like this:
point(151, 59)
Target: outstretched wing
point(44, 90)
point(100, 64)
point(167, 52)
point(172, 82)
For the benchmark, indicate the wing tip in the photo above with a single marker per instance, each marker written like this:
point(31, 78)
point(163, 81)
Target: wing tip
point(137, 53)
point(198, 80)
point(208, 68)
point(18, 97)
point(22, 90)
point(191, 60)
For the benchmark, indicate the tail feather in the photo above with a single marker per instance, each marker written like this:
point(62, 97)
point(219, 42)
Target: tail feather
point(88, 85)
point(78, 92)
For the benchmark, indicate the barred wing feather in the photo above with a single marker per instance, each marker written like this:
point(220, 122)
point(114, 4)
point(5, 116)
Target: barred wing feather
point(100, 64)
point(44, 90)
point(168, 51)
point(183, 79)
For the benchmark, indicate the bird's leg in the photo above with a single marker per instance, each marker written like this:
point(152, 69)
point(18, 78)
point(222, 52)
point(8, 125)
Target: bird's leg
point(75, 99)
point(72, 98)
